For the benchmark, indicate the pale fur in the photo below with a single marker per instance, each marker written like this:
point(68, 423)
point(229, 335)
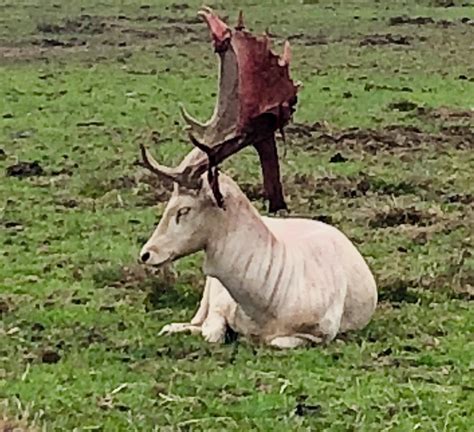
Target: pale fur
point(283, 281)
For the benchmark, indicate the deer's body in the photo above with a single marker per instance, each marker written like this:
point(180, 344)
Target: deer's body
point(283, 281)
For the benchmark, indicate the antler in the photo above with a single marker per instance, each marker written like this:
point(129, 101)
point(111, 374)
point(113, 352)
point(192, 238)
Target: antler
point(186, 174)
point(255, 98)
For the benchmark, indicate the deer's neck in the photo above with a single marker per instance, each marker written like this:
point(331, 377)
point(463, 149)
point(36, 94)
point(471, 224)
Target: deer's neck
point(250, 262)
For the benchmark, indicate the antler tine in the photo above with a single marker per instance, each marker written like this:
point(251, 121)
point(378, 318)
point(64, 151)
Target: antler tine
point(240, 21)
point(286, 58)
point(182, 177)
point(195, 125)
point(221, 151)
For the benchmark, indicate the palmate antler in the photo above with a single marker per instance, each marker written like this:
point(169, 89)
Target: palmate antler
point(256, 97)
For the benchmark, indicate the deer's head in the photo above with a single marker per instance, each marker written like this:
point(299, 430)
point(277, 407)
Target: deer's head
point(190, 216)
point(256, 97)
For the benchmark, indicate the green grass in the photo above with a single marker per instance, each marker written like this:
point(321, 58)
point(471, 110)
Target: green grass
point(79, 318)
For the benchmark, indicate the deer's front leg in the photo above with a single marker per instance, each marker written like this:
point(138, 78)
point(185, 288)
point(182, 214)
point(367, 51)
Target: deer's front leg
point(179, 328)
point(194, 326)
point(214, 328)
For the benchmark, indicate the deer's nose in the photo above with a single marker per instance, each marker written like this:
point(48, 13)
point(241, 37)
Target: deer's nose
point(145, 257)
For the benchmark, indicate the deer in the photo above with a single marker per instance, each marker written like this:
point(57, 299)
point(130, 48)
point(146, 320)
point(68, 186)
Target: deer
point(283, 281)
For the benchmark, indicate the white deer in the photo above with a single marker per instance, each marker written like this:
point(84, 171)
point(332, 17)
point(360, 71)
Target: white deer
point(284, 281)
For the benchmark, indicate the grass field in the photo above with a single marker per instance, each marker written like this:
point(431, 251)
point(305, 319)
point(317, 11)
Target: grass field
point(381, 146)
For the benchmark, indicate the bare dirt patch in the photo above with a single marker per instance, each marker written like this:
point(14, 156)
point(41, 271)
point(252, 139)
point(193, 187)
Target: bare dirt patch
point(446, 114)
point(401, 216)
point(309, 39)
point(85, 23)
point(385, 39)
point(86, 32)
point(423, 20)
point(61, 43)
point(389, 138)
point(306, 188)
point(115, 27)
point(25, 169)
point(402, 106)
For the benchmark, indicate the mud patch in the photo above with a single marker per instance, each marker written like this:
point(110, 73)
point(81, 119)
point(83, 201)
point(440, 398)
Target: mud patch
point(401, 216)
point(352, 187)
point(397, 291)
point(61, 43)
point(385, 39)
point(305, 191)
point(402, 106)
point(405, 19)
point(50, 356)
point(338, 158)
point(461, 198)
point(85, 23)
point(25, 169)
point(303, 408)
point(302, 130)
point(308, 39)
point(423, 20)
point(93, 32)
point(446, 114)
point(371, 86)
point(389, 138)
point(114, 27)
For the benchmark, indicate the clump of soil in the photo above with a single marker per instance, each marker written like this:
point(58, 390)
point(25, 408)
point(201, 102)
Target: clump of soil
point(445, 114)
point(302, 130)
point(338, 158)
point(55, 42)
point(397, 291)
point(388, 138)
point(82, 24)
point(303, 408)
point(309, 39)
point(462, 198)
point(349, 187)
point(50, 356)
point(401, 216)
point(421, 20)
point(405, 19)
point(25, 169)
point(385, 39)
point(402, 106)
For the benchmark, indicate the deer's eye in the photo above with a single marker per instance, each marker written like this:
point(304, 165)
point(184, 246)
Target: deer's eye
point(182, 212)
